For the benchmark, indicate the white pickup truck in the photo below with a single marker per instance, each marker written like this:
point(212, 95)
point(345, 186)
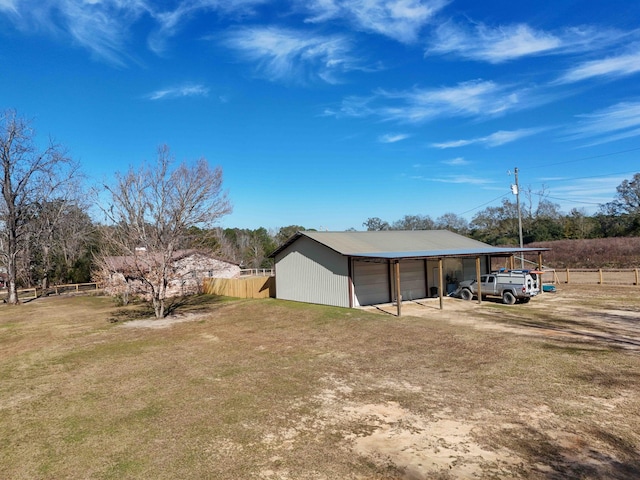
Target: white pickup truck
point(511, 285)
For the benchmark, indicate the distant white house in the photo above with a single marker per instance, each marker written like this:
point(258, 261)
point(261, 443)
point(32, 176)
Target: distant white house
point(188, 268)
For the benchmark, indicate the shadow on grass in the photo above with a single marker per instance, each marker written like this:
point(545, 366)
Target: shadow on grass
point(194, 303)
point(615, 330)
point(188, 304)
point(603, 335)
point(612, 458)
point(131, 312)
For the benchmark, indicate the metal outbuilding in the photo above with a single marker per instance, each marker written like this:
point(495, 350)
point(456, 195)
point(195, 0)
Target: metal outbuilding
point(350, 269)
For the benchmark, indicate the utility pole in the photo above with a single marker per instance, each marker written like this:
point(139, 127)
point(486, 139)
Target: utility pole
point(515, 189)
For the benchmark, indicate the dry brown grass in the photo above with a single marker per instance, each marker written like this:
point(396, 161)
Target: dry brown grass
point(277, 390)
point(612, 252)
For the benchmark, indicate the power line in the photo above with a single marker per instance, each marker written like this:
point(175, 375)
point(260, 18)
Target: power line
point(566, 199)
point(590, 158)
point(487, 203)
point(594, 176)
point(567, 180)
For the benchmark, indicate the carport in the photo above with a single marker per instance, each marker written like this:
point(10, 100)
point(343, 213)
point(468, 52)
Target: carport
point(397, 259)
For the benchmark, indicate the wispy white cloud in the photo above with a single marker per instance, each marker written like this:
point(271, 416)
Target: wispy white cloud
point(104, 27)
point(100, 26)
point(401, 20)
point(587, 193)
point(618, 66)
point(393, 137)
point(496, 139)
point(9, 6)
point(492, 45)
point(611, 124)
point(468, 99)
point(186, 90)
point(171, 21)
point(456, 162)
point(290, 55)
point(466, 179)
point(509, 42)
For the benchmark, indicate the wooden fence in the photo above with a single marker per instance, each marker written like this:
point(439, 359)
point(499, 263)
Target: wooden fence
point(33, 293)
point(249, 287)
point(24, 294)
point(593, 276)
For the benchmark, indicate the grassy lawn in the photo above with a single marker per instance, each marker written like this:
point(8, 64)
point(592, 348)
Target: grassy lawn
point(266, 389)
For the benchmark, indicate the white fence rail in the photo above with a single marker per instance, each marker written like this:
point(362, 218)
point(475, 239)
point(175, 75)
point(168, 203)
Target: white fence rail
point(257, 272)
point(593, 276)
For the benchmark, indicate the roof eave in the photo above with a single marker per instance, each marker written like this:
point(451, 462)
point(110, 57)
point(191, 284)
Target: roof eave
point(446, 253)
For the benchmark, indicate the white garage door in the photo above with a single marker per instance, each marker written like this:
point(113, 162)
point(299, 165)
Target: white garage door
point(413, 282)
point(370, 282)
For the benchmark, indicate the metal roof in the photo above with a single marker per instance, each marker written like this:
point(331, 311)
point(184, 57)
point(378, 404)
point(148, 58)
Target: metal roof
point(394, 244)
point(448, 253)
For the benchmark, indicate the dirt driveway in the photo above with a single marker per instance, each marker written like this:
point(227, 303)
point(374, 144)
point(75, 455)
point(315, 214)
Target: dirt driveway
point(597, 314)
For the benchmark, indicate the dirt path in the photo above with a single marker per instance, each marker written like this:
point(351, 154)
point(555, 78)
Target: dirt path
point(562, 314)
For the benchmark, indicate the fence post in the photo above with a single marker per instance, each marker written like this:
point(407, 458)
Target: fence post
point(600, 274)
point(636, 276)
point(567, 275)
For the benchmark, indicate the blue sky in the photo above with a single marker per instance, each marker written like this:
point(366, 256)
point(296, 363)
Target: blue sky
point(324, 113)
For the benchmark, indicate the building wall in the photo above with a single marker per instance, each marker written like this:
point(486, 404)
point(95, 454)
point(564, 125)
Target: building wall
point(185, 279)
point(309, 272)
point(191, 271)
point(203, 266)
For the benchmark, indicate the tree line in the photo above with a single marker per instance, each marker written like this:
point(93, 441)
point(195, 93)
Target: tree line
point(542, 219)
point(47, 235)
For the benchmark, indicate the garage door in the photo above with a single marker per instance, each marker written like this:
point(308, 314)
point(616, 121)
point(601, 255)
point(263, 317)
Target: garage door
point(412, 279)
point(371, 282)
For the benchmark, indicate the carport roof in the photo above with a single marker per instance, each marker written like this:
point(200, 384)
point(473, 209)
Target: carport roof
point(447, 253)
point(397, 244)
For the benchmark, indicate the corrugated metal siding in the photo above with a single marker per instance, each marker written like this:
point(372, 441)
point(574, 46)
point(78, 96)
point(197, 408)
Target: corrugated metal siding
point(309, 272)
point(371, 282)
point(412, 279)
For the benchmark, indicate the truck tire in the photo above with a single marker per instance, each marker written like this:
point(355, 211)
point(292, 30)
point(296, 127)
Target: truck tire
point(466, 294)
point(525, 300)
point(508, 298)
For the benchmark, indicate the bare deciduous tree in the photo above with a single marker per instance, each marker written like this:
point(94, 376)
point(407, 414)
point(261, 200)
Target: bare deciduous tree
point(453, 222)
point(30, 177)
point(63, 233)
point(152, 211)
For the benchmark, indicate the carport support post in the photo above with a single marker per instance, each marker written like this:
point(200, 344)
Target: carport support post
point(540, 289)
point(396, 266)
point(478, 273)
point(440, 284)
